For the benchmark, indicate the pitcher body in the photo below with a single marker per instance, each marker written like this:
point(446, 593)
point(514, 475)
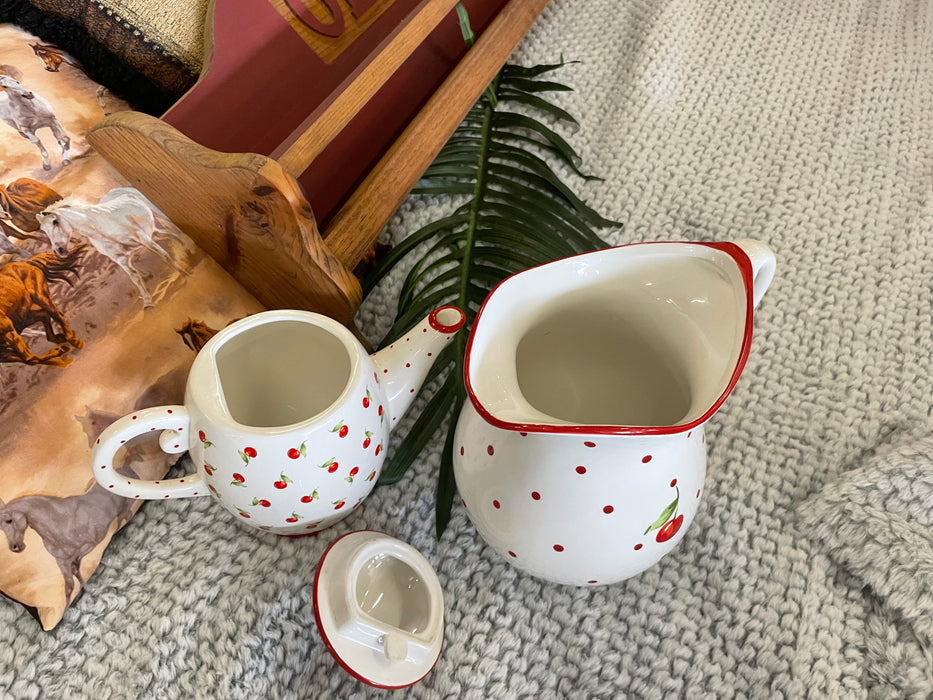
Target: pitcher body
point(581, 453)
point(585, 510)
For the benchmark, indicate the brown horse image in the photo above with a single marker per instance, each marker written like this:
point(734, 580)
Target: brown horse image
point(21, 200)
point(25, 300)
point(195, 333)
point(52, 57)
point(70, 527)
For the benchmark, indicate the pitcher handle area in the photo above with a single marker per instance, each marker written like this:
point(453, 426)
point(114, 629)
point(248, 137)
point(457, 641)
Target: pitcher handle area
point(763, 266)
point(173, 421)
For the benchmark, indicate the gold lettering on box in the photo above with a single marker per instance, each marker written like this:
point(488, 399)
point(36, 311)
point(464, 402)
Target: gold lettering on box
point(329, 27)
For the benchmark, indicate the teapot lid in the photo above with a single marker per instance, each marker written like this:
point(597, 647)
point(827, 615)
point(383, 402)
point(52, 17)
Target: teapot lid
point(379, 608)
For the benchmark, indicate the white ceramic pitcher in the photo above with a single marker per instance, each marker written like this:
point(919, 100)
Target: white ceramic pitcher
point(286, 418)
point(580, 455)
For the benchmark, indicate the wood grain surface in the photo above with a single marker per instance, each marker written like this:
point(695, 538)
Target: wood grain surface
point(243, 209)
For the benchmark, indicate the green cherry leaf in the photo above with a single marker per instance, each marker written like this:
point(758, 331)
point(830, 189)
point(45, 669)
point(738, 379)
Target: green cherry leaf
point(303, 450)
point(244, 457)
point(286, 479)
point(664, 517)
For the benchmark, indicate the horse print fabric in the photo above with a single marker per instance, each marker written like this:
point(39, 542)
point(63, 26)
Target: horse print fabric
point(103, 304)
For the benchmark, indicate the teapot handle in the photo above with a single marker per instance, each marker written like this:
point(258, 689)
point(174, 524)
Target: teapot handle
point(173, 421)
point(763, 266)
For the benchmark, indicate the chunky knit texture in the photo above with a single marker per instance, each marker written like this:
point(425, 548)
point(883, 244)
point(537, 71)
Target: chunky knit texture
point(807, 125)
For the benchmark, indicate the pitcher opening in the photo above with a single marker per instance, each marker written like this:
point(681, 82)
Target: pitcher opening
point(281, 373)
point(641, 339)
point(597, 368)
point(392, 592)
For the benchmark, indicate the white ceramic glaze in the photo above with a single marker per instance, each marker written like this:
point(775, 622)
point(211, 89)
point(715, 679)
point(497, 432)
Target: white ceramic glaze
point(286, 418)
point(581, 455)
point(379, 608)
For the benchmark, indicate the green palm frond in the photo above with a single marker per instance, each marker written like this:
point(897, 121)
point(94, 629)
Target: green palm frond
point(517, 214)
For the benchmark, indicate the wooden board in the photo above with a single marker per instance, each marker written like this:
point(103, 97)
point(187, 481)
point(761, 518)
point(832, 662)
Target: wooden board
point(358, 136)
point(267, 82)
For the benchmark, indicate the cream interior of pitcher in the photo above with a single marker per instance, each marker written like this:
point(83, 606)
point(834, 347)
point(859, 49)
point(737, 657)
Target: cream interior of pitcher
point(639, 336)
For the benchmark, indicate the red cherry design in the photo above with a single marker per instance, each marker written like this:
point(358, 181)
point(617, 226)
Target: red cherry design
point(293, 519)
point(249, 452)
point(670, 528)
point(380, 409)
point(211, 487)
point(239, 478)
point(339, 504)
point(310, 497)
point(354, 471)
point(280, 484)
point(366, 399)
point(333, 467)
point(209, 469)
point(293, 453)
point(201, 436)
point(372, 475)
point(244, 513)
point(343, 431)
point(261, 502)
point(368, 440)
point(378, 447)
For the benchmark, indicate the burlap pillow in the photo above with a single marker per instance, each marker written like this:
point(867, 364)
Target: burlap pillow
point(99, 295)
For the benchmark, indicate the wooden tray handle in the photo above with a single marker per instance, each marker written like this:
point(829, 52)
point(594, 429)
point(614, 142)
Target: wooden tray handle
point(243, 209)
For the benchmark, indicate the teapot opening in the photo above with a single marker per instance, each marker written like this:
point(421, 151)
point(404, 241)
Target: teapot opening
point(281, 373)
point(392, 592)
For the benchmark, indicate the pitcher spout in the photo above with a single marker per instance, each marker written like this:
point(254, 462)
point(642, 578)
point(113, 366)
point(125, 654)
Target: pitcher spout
point(403, 365)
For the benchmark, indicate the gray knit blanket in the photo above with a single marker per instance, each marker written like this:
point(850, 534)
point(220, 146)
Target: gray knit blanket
point(808, 571)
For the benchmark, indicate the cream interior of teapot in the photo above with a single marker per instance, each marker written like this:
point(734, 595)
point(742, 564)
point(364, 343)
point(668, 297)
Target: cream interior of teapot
point(281, 373)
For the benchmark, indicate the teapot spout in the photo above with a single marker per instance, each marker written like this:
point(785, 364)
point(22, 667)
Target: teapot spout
point(403, 365)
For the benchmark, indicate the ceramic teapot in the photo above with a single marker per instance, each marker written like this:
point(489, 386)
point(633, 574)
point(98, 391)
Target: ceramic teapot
point(286, 418)
point(580, 455)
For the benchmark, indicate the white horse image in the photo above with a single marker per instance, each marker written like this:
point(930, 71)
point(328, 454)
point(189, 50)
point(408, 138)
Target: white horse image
point(122, 221)
point(27, 112)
